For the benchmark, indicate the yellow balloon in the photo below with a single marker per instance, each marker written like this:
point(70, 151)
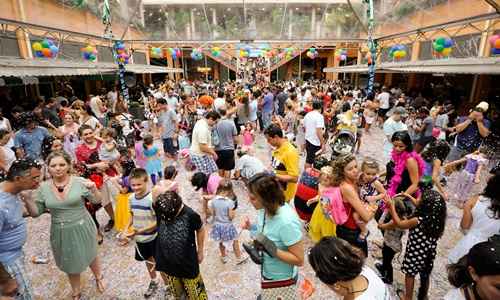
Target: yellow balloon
point(446, 51)
point(37, 46)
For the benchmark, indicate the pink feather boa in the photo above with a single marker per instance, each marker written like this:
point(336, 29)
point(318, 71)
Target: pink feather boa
point(399, 160)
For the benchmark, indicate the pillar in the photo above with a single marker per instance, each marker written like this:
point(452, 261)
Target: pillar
point(176, 65)
point(290, 24)
point(484, 45)
point(216, 71)
point(170, 64)
point(332, 62)
point(388, 79)
point(313, 22)
point(23, 40)
point(192, 18)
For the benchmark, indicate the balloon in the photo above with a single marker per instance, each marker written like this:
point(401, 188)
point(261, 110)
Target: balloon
point(37, 46)
point(86, 55)
point(38, 53)
point(54, 49)
point(448, 43)
point(438, 48)
point(446, 51)
point(440, 41)
point(496, 51)
point(45, 43)
point(493, 39)
point(497, 44)
point(50, 42)
point(343, 57)
point(46, 52)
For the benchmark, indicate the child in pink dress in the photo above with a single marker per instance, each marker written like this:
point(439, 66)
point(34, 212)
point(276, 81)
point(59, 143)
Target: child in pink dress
point(248, 135)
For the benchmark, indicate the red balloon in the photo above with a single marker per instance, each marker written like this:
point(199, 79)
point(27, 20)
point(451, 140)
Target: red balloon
point(46, 52)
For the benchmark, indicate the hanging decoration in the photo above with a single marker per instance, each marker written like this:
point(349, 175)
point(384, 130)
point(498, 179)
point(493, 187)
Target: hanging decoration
point(369, 59)
point(442, 46)
point(341, 54)
point(271, 53)
point(244, 53)
point(89, 53)
point(288, 53)
point(398, 52)
point(156, 52)
point(197, 54)
point(121, 54)
point(46, 48)
point(312, 53)
point(174, 53)
point(215, 51)
point(495, 44)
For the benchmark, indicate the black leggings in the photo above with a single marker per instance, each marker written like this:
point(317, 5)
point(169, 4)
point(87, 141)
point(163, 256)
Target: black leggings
point(387, 257)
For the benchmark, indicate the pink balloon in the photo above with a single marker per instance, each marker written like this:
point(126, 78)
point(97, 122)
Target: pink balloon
point(493, 39)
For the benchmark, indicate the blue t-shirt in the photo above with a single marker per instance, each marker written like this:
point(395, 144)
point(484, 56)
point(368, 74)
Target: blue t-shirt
point(284, 230)
point(12, 228)
point(469, 139)
point(267, 104)
point(31, 142)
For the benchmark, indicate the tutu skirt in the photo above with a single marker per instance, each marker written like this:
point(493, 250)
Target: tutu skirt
point(223, 232)
point(320, 226)
point(461, 190)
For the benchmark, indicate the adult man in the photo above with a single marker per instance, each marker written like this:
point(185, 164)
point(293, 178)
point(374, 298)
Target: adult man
point(219, 102)
point(87, 154)
point(471, 130)
point(172, 100)
point(392, 125)
point(267, 107)
point(385, 104)
point(247, 165)
point(29, 139)
point(23, 175)
point(285, 160)
point(314, 125)
point(202, 153)
point(226, 133)
point(49, 112)
point(281, 98)
point(168, 122)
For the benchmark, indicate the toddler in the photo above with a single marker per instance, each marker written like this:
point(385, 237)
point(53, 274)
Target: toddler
point(153, 159)
point(167, 184)
point(248, 134)
point(108, 151)
point(222, 207)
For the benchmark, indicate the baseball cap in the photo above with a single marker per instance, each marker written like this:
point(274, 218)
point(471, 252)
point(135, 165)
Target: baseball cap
point(400, 111)
point(483, 105)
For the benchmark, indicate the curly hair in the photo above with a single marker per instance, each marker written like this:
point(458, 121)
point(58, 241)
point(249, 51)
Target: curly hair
point(437, 149)
point(167, 206)
point(492, 191)
point(338, 166)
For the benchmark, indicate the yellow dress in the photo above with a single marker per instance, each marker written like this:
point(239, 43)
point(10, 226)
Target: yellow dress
point(321, 225)
point(122, 211)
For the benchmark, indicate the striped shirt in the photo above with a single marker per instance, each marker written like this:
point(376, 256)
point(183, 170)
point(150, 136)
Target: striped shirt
point(142, 216)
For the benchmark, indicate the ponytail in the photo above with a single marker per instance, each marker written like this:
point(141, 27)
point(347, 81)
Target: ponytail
point(458, 273)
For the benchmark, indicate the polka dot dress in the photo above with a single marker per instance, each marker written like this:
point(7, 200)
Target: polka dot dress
point(420, 252)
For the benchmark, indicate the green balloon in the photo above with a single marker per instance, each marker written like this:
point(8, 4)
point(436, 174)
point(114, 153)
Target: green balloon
point(439, 48)
point(441, 41)
point(45, 44)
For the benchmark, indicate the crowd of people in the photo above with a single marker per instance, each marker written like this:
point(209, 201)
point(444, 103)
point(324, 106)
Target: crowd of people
point(70, 157)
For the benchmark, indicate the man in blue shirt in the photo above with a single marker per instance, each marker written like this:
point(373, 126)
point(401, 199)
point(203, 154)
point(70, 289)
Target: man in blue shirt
point(23, 175)
point(267, 107)
point(29, 139)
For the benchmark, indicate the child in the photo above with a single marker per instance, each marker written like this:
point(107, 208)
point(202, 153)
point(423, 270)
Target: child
point(434, 155)
point(140, 160)
point(474, 162)
point(248, 134)
point(108, 151)
point(153, 159)
point(181, 240)
point(329, 212)
point(143, 225)
point(392, 239)
point(222, 207)
point(426, 226)
point(122, 214)
point(209, 185)
point(371, 191)
point(167, 184)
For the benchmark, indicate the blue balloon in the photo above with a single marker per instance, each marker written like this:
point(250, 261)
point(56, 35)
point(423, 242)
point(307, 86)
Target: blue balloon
point(496, 51)
point(50, 42)
point(86, 55)
point(54, 49)
point(448, 43)
point(38, 53)
point(400, 47)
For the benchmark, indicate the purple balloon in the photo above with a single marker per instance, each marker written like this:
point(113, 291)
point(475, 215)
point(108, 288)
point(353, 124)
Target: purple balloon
point(496, 51)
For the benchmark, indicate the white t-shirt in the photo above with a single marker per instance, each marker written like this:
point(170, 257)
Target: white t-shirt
point(390, 127)
point(313, 120)
point(219, 103)
point(201, 135)
point(376, 290)
point(384, 100)
point(454, 294)
point(92, 122)
point(249, 166)
point(173, 103)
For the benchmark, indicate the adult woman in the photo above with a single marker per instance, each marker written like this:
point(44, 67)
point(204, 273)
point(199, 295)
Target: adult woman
point(476, 276)
point(342, 268)
point(69, 133)
point(346, 173)
point(243, 111)
point(278, 230)
point(86, 118)
point(7, 155)
point(481, 219)
point(426, 129)
point(434, 156)
point(72, 231)
point(406, 166)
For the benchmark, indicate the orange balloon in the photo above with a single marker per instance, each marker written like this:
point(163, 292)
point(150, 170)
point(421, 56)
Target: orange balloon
point(46, 52)
point(497, 44)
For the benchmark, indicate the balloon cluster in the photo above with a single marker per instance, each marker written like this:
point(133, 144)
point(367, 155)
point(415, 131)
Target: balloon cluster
point(288, 53)
point(156, 52)
point(197, 54)
point(89, 53)
point(215, 51)
point(271, 53)
point(312, 53)
point(244, 53)
point(495, 44)
point(398, 52)
point(175, 52)
point(341, 54)
point(443, 46)
point(121, 53)
point(45, 48)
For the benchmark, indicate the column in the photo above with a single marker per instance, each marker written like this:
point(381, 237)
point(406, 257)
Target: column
point(332, 62)
point(193, 28)
point(215, 34)
point(216, 71)
point(313, 22)
point(147, 78)
point(290, 24)
point(23, 40)
point(170, 64)
point(176, 65)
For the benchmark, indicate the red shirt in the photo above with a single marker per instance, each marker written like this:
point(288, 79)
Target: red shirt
point(83, 153)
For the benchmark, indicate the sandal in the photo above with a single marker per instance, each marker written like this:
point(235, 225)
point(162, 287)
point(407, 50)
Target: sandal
point(100, 239)
point(77, 296)
point(99, 284)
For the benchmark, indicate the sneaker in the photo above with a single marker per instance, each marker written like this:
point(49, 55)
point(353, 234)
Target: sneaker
point(242, 259)
point(223, 259)
point(152, 288)
point(109, 226)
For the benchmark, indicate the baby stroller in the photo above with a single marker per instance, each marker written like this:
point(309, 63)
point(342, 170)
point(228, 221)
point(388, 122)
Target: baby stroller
point(344, 141)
